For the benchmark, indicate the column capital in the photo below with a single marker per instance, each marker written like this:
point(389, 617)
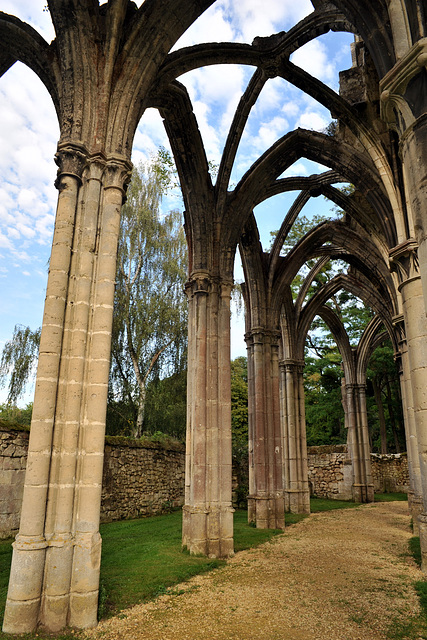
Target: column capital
point(291, 364)
point(260, 335)
point(202, 283)
point(398, 108)
point(71, 158)
point(117, 172)
point(404, 261)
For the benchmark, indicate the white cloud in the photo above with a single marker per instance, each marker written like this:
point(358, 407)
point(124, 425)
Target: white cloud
point(32, 13)
point(269, 132)
point(265, 17)
point(312, 120)
point(313, 58)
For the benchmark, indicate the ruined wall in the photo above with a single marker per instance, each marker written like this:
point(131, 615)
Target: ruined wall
point(13, 460)
point(138, 479)
point(330, 472)
point(141, 479)
point(390, 472)
point(146, 478)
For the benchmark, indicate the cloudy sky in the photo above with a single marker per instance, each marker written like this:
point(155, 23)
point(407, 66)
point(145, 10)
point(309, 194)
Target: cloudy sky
point(29, 133)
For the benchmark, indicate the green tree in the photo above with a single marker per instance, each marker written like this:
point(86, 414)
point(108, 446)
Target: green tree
point(18, 361)
point(150, 310)
point(386, 418)
point(239, 425)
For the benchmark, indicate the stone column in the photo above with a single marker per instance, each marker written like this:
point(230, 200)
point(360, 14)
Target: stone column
point(265, 500)
point(296, 488)
point(404, 259)
point(365, 447)
point(358, 442)
point(208, 512)
point(415, 494)
point(29, 548)
point(58, 584)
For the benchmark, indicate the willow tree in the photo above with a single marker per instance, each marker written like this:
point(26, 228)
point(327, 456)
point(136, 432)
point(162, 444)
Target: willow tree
point(150, 310)
point(18, 361)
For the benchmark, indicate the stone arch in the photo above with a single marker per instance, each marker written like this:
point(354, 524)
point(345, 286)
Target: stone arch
point(107, 64)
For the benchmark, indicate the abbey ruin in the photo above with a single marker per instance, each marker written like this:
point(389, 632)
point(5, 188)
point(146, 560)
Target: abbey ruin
point(107, 64)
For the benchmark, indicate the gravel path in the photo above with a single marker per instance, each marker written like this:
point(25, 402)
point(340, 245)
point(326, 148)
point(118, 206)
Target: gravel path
point(341, 575)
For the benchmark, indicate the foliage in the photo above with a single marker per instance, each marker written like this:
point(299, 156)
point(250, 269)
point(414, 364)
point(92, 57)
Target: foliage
point(239, 427)
point(150, 310)
point(386, 418)
point(166, 408)
point(10, 414)
point(239, 405)
point(18, 361)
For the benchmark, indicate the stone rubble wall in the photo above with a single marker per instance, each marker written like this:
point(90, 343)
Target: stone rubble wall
point(330, 472)
point(13, 461)
point(144, 478)
point(390, 472)
point(141, 480)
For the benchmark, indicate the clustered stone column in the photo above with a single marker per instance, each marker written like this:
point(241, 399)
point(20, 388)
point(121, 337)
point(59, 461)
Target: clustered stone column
point(296, 489)
point(404, 257)
point(265, 500)
point(55, 567)
point(208, 512)
point(358, 441)
point(415, 493)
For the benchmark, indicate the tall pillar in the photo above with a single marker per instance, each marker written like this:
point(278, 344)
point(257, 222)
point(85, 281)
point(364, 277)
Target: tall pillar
point(56, 559)
point(404, 257)
point(296, 488)
point(265, 500)
point(208, 511)
point(358, 442)
point(415, 493)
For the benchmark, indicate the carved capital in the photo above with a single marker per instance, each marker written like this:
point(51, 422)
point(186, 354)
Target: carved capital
point(291, 365)
point(262, 335)
point(71, 159)
point(202, 283)
point(398, 108)
point(117, 173)
point(404, 260)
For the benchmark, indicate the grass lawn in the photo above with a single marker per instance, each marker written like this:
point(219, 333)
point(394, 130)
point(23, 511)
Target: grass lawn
point(390, 497)
point(143, 558)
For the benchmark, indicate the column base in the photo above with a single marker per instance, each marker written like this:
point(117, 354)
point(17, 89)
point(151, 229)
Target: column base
point(267, 512)
point(363, 493)
point(208, 531)
point(297, 501)
point(25, 585)
point(415, 504)
point(422, 524)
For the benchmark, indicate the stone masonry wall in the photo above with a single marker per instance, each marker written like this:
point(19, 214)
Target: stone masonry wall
point(143, 478)
point(390, 472)
point(330, 473)
point(140, 478)
point(13, 460)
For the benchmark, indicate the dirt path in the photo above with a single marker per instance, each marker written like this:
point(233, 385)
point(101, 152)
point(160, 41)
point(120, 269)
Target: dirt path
point(341, 575)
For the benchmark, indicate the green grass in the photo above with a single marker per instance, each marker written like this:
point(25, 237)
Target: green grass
point(391, 497)
point(322, 504)
point(143, 558)
point(415, 549)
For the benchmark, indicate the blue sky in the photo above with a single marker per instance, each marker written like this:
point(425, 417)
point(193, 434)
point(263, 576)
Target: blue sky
point(29, 133)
